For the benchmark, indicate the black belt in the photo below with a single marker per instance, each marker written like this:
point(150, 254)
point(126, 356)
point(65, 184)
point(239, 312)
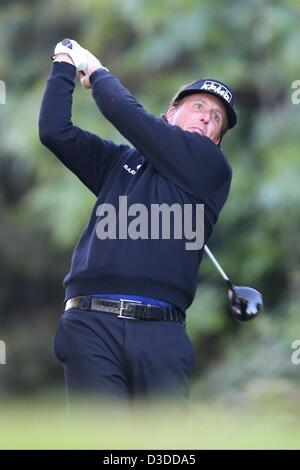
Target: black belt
point(124, 308)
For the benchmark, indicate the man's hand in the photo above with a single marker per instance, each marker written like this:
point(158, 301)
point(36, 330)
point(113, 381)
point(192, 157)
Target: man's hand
point(92, 64)
point(86, 63)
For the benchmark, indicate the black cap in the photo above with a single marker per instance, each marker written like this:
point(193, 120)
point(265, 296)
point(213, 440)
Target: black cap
point(216, 88)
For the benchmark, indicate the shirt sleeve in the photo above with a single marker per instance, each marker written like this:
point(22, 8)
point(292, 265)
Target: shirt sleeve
point(84, 153)
point(191, 161)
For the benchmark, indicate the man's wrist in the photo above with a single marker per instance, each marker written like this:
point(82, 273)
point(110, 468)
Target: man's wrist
point(91, 68)
point(62, 57)
point(93, 75)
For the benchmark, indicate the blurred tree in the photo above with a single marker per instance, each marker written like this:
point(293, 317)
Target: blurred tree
point(154, 47)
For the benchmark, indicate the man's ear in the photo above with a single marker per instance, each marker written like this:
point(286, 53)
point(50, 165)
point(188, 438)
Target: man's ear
point(170, 113)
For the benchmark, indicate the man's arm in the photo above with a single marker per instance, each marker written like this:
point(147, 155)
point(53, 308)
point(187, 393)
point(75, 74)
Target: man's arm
point(191, 161)
point(84, 153)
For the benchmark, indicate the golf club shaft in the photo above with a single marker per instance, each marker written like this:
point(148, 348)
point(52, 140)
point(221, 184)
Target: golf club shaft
point(213, 259)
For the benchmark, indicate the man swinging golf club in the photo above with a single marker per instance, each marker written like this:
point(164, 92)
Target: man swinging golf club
point(122, 334)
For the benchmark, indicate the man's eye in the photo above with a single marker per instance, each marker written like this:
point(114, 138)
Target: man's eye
point(216, 117)
point(198, 106)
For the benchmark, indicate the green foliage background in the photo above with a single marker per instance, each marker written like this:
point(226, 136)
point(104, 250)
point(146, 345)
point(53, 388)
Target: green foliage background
point(154, 47)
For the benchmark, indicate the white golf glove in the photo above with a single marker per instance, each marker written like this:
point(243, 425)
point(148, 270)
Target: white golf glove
point(75, 51)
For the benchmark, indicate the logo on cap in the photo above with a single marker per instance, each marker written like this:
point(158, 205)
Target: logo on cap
point(216, 87)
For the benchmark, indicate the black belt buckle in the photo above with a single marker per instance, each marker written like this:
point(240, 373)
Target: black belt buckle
point(122, 308)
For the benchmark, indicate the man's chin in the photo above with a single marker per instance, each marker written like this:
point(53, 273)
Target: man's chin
point(197, 131)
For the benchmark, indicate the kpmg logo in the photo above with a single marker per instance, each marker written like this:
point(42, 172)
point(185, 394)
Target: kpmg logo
point(216, 87)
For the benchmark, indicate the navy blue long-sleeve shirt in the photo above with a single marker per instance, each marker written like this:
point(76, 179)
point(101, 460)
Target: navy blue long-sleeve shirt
point(166, 165)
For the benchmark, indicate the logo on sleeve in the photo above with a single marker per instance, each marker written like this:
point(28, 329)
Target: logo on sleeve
point(131, 171)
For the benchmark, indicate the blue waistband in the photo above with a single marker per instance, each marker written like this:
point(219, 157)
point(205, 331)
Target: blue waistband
point(145, 300)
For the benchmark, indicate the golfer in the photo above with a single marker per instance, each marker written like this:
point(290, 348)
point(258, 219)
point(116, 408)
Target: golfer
point(122, 333)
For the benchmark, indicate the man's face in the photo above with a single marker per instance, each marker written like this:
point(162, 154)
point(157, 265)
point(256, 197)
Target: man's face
point(200, 112)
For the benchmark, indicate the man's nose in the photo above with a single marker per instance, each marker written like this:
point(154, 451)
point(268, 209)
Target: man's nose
point(205, 117)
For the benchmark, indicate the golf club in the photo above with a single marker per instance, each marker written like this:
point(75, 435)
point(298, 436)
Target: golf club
point(245, 302)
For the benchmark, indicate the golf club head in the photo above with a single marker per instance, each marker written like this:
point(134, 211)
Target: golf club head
point(245, 302)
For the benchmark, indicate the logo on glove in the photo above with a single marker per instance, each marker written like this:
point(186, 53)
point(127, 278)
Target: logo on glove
point(75, 51)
